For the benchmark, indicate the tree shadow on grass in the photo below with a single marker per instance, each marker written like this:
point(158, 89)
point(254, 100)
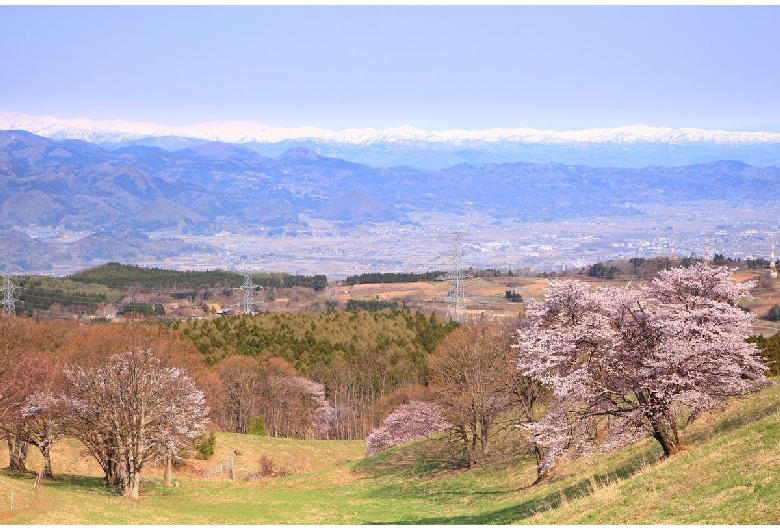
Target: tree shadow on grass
point(438, 456)
point(98, 486)
point(529, 507)
point(12, 473)
point(422, 459)
point(514, 513)
point(65, 481)
point(81, 483)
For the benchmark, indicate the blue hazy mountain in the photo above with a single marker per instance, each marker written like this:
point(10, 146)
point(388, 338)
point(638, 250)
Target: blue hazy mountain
point(215, 186)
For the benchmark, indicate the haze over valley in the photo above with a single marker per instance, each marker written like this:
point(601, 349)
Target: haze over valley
point(68, 204)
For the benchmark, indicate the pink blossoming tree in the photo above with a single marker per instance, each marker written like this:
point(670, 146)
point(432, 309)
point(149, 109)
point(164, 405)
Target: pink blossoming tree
point(408, 422)
point(132, 410)
point(625, 362)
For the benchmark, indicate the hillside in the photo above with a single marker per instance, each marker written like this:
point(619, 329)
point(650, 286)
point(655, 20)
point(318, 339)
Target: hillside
point(729, 474)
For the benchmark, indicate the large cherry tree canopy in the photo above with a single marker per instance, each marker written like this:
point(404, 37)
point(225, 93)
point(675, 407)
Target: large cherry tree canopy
point(624, 362)
point(145, 409)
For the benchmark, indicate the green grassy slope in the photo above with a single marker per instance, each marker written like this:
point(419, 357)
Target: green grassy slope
point(728, 474)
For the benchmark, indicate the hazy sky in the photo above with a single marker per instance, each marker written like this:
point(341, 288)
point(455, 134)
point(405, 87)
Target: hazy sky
point(430, 67)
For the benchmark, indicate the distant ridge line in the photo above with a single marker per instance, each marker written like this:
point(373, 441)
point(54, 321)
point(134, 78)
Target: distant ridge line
point(115, 131)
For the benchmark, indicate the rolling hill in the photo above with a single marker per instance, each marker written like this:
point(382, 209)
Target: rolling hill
point(729, 474)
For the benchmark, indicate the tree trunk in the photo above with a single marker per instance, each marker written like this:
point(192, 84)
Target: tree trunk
point(665, 432)
point(45, 449)
point(484, 440)
point(47, 473)
point(167, 473)
point(133, 490)
point(113, 473)
point(130, 479)
point(110, 465)
point(541, 473)
point(17, 452)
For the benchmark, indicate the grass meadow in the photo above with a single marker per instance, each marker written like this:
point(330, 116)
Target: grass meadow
point(729, 473)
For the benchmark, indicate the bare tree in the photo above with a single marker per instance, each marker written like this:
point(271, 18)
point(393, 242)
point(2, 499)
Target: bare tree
point(476, 383)
point(242, 377)
point(132, 410)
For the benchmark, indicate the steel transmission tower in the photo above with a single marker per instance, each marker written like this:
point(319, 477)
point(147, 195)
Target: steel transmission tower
point(456, 307)
point(248, 287)
point(8, 288)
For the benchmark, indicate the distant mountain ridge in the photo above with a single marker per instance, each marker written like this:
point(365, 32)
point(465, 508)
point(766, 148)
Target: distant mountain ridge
point(73, 185)
point(429, 149)
point(217, 186)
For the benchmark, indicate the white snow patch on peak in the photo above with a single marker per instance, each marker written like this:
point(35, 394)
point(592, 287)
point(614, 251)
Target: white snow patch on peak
point(246, 131)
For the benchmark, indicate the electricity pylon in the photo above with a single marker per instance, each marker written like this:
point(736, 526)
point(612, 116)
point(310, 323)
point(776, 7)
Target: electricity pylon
point(248, 292)
point(456, 306)
point(8, 288)
point(248, 287)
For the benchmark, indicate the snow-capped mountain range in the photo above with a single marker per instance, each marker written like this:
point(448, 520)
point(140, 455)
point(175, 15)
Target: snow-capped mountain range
point(631, 146)
point(241, 132)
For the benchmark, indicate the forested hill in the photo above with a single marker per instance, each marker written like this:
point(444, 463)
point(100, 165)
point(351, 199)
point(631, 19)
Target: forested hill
point(393, 277)
point(394, 343)
point(116, 275)
point(361, 358)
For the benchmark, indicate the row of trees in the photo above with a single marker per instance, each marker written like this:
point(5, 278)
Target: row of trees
point(592, 369)
point(38, 294)
point(392, 277)
point(648, 268)
point(270, 398)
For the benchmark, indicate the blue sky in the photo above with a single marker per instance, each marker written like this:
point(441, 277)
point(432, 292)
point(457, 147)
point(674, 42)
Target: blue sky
point(430, 67)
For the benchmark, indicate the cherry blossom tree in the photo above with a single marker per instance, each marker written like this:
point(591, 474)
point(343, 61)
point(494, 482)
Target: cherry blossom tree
point(408, 422)
point(44, 414)
point(28, 373)
point(625, 362)
point(20, 375)
point(132, 410)
point(296, 407)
